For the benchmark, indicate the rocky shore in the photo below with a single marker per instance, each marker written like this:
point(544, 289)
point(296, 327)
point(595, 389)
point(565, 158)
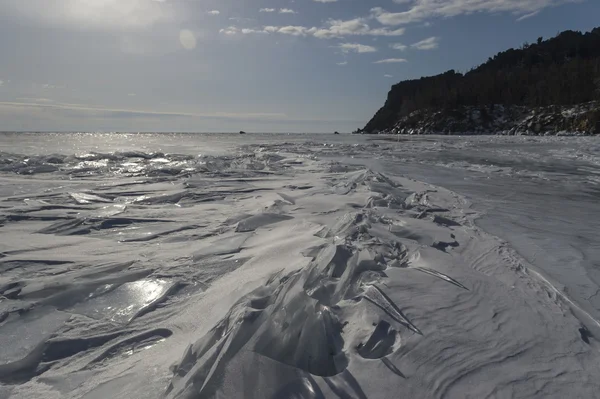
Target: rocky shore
point(582, 119)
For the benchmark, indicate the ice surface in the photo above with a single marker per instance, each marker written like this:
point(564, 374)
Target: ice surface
point(187, 266)
point(123, 303)
point(21, 334)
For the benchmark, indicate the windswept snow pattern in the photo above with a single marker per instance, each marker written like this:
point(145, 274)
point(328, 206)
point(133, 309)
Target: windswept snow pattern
point(272, 272)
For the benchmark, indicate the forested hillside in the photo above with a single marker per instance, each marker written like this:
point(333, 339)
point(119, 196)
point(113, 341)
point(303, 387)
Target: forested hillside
point(564, 70)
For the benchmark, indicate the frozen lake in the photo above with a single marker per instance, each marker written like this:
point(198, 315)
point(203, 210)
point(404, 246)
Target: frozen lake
point(183, 266)
point(540, 194)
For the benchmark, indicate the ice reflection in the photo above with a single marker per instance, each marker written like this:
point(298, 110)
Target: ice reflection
point(123, 303)
point(138, 295)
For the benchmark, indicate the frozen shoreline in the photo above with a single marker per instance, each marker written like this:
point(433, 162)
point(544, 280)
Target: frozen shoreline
point(378, 284)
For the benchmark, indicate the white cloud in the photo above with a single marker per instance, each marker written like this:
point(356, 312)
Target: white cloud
point(1, 82)
point(267, 10)
point(240, 19)
point(390, 61)
point(388, 76)
point(430, 43)
point(292, 30)
point(287, 11)
point(131, 94)
point(332, 29)
point(399, 46)
point(526, 16)
point(421, 10)
point(356, 48)
point(271, 29)
point(230, 31)
point(342, 63)
point(92, 14)
point(284, 30)
point(214, 12)
point(336, 28)
point(249, 31)
point(386, 32)
point(325, 1)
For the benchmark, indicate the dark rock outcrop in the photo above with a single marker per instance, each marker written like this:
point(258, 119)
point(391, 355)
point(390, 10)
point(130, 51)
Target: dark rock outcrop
point(500, 119)
point(551, 86)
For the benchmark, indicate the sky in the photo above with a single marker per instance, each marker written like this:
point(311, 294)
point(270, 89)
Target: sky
point(253, 65)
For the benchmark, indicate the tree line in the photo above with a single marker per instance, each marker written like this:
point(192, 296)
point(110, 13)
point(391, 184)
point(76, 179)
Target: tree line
point(563, 70)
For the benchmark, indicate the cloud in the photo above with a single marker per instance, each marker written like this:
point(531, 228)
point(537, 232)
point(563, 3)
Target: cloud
point(240, 19)
point(388, 76)
point(398, 46)
point(430, 43)
point(291, 30)
point(234, 30)
point(281, 10)
point(230, 31)
point(325, 1)
point(88, 14)
point(421, 10)
point(343, 62)
point(1, 82)
point(390, 61)
point(333, 29)
point(526, 16)
point(214, 12)
point(356, 48)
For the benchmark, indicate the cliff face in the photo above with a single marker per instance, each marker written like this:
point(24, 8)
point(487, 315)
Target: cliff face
point(500, 119)
point(511, 90)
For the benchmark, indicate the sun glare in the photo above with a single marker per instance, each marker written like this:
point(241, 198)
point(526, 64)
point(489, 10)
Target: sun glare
point(125, 13)
point(187, 39)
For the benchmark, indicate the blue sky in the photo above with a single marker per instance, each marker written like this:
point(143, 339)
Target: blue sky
point(254, 65)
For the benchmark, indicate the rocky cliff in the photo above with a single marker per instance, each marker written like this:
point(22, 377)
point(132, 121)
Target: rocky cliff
point(551, 86)
point(500, 119)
